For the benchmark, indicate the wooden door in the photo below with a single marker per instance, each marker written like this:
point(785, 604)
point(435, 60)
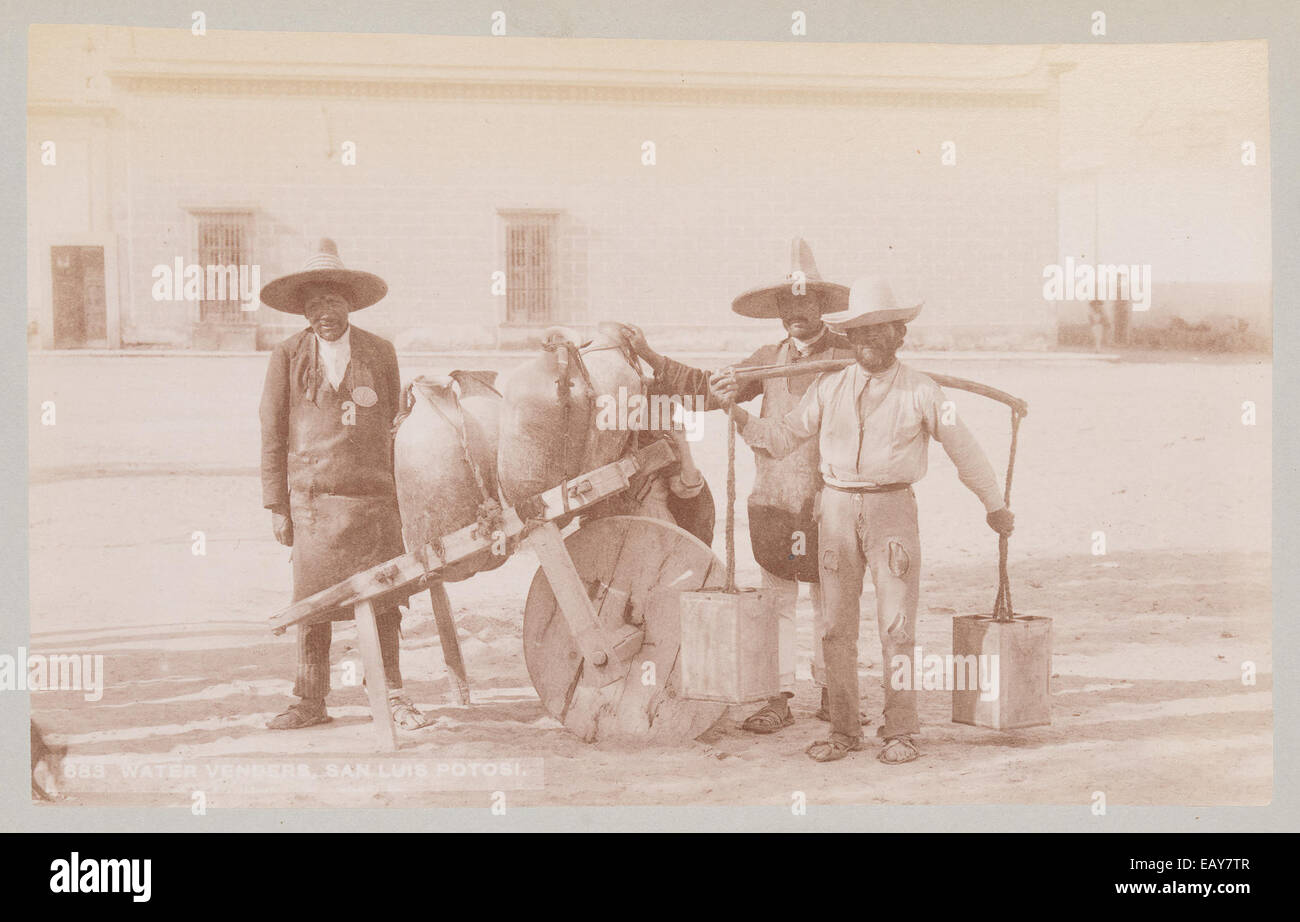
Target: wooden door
point(80, 308)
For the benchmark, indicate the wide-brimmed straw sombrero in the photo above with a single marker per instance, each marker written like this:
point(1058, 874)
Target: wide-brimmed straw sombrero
point(323, 266)
point(872, 301)
point(767, 301)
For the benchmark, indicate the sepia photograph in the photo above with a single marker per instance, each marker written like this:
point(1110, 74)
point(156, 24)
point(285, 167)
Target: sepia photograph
point(493, 421)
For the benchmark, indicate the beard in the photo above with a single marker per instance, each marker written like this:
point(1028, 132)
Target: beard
point(874, 358)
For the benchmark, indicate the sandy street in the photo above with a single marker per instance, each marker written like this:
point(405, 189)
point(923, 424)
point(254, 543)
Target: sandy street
point(1150, 637)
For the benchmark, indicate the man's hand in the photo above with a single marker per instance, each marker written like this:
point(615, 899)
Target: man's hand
point(282, 526)
point(681, 445)
point(1003, 521)
point(688, 475)
point(723, 386)
point(634, 336)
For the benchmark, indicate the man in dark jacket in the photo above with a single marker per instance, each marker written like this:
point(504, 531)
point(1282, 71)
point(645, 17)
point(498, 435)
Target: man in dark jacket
point(331, 393)
point(782, 527)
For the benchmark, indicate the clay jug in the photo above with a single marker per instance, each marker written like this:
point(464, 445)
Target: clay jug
point(618, 387)
point(547, 412)
point(438, 490)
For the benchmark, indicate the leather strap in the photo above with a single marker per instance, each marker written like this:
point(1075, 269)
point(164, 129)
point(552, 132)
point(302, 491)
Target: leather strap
point(869, 488)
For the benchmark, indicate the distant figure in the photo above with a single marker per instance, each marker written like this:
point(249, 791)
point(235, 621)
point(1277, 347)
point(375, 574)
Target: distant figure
point(1097, 322)
point(1121, 311)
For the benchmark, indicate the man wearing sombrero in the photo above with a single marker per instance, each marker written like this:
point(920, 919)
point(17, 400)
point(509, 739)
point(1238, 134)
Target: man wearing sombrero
point(781, 518)
point(872, 422)
point(329, 401)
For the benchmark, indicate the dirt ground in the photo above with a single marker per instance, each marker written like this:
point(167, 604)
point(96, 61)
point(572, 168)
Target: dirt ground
point(1149, 638)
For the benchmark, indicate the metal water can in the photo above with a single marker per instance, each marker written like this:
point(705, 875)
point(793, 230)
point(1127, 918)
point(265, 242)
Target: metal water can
point(1017, 654)
point(729, 646)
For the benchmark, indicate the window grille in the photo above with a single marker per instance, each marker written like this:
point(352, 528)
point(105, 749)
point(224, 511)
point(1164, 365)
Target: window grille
point(223, 239)
point(530, 268)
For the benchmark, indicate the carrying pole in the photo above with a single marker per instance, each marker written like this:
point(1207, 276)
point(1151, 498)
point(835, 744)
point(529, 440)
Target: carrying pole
point(826, 366)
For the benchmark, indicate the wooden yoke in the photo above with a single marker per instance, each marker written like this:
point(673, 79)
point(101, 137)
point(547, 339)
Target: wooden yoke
point(797, 369)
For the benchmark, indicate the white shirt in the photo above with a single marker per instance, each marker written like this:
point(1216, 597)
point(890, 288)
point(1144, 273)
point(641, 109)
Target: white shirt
point(334, 357)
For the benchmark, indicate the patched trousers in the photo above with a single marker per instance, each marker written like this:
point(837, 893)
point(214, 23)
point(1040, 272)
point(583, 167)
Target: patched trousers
point(876, 532)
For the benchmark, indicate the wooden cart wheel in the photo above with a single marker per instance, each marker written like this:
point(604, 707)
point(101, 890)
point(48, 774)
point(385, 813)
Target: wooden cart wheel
point(652, 562)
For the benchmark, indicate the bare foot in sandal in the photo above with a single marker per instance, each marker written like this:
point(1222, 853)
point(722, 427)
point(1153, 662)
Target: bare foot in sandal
point(773, 716)
point(405, 714)
point(898, 750)
point(832, 749)
point(307, 712)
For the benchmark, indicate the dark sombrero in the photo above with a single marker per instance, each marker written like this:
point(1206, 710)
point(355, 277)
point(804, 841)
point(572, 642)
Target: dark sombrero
point(324, 265)
point(771, 299)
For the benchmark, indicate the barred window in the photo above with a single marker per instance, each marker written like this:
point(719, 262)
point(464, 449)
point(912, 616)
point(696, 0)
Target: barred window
point(223, 239)
point(530, 266)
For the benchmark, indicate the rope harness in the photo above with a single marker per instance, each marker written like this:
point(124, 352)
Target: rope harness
point(1002, 610)
point(567, 354)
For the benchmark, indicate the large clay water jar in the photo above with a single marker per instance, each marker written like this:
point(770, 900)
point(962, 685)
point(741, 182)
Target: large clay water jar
point(438, 491)
point(547, 410)
point(615, 382)
point(549, 430)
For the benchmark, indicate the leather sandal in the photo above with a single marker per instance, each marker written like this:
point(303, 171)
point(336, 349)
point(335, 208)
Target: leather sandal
point(832, 749)
point(405, 714)
point(303, 714)
point(769, 718)
point(898, 750)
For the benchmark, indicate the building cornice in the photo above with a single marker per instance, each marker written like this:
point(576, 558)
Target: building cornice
point(140, 61)
point(567, 87)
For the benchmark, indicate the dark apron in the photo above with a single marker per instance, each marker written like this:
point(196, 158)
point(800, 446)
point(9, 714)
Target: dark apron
point(341, 493)
point(785, 489)
point(697, 514)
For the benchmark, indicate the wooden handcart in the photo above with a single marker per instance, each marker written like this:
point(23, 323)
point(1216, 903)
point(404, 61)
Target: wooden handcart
point(601, 630)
